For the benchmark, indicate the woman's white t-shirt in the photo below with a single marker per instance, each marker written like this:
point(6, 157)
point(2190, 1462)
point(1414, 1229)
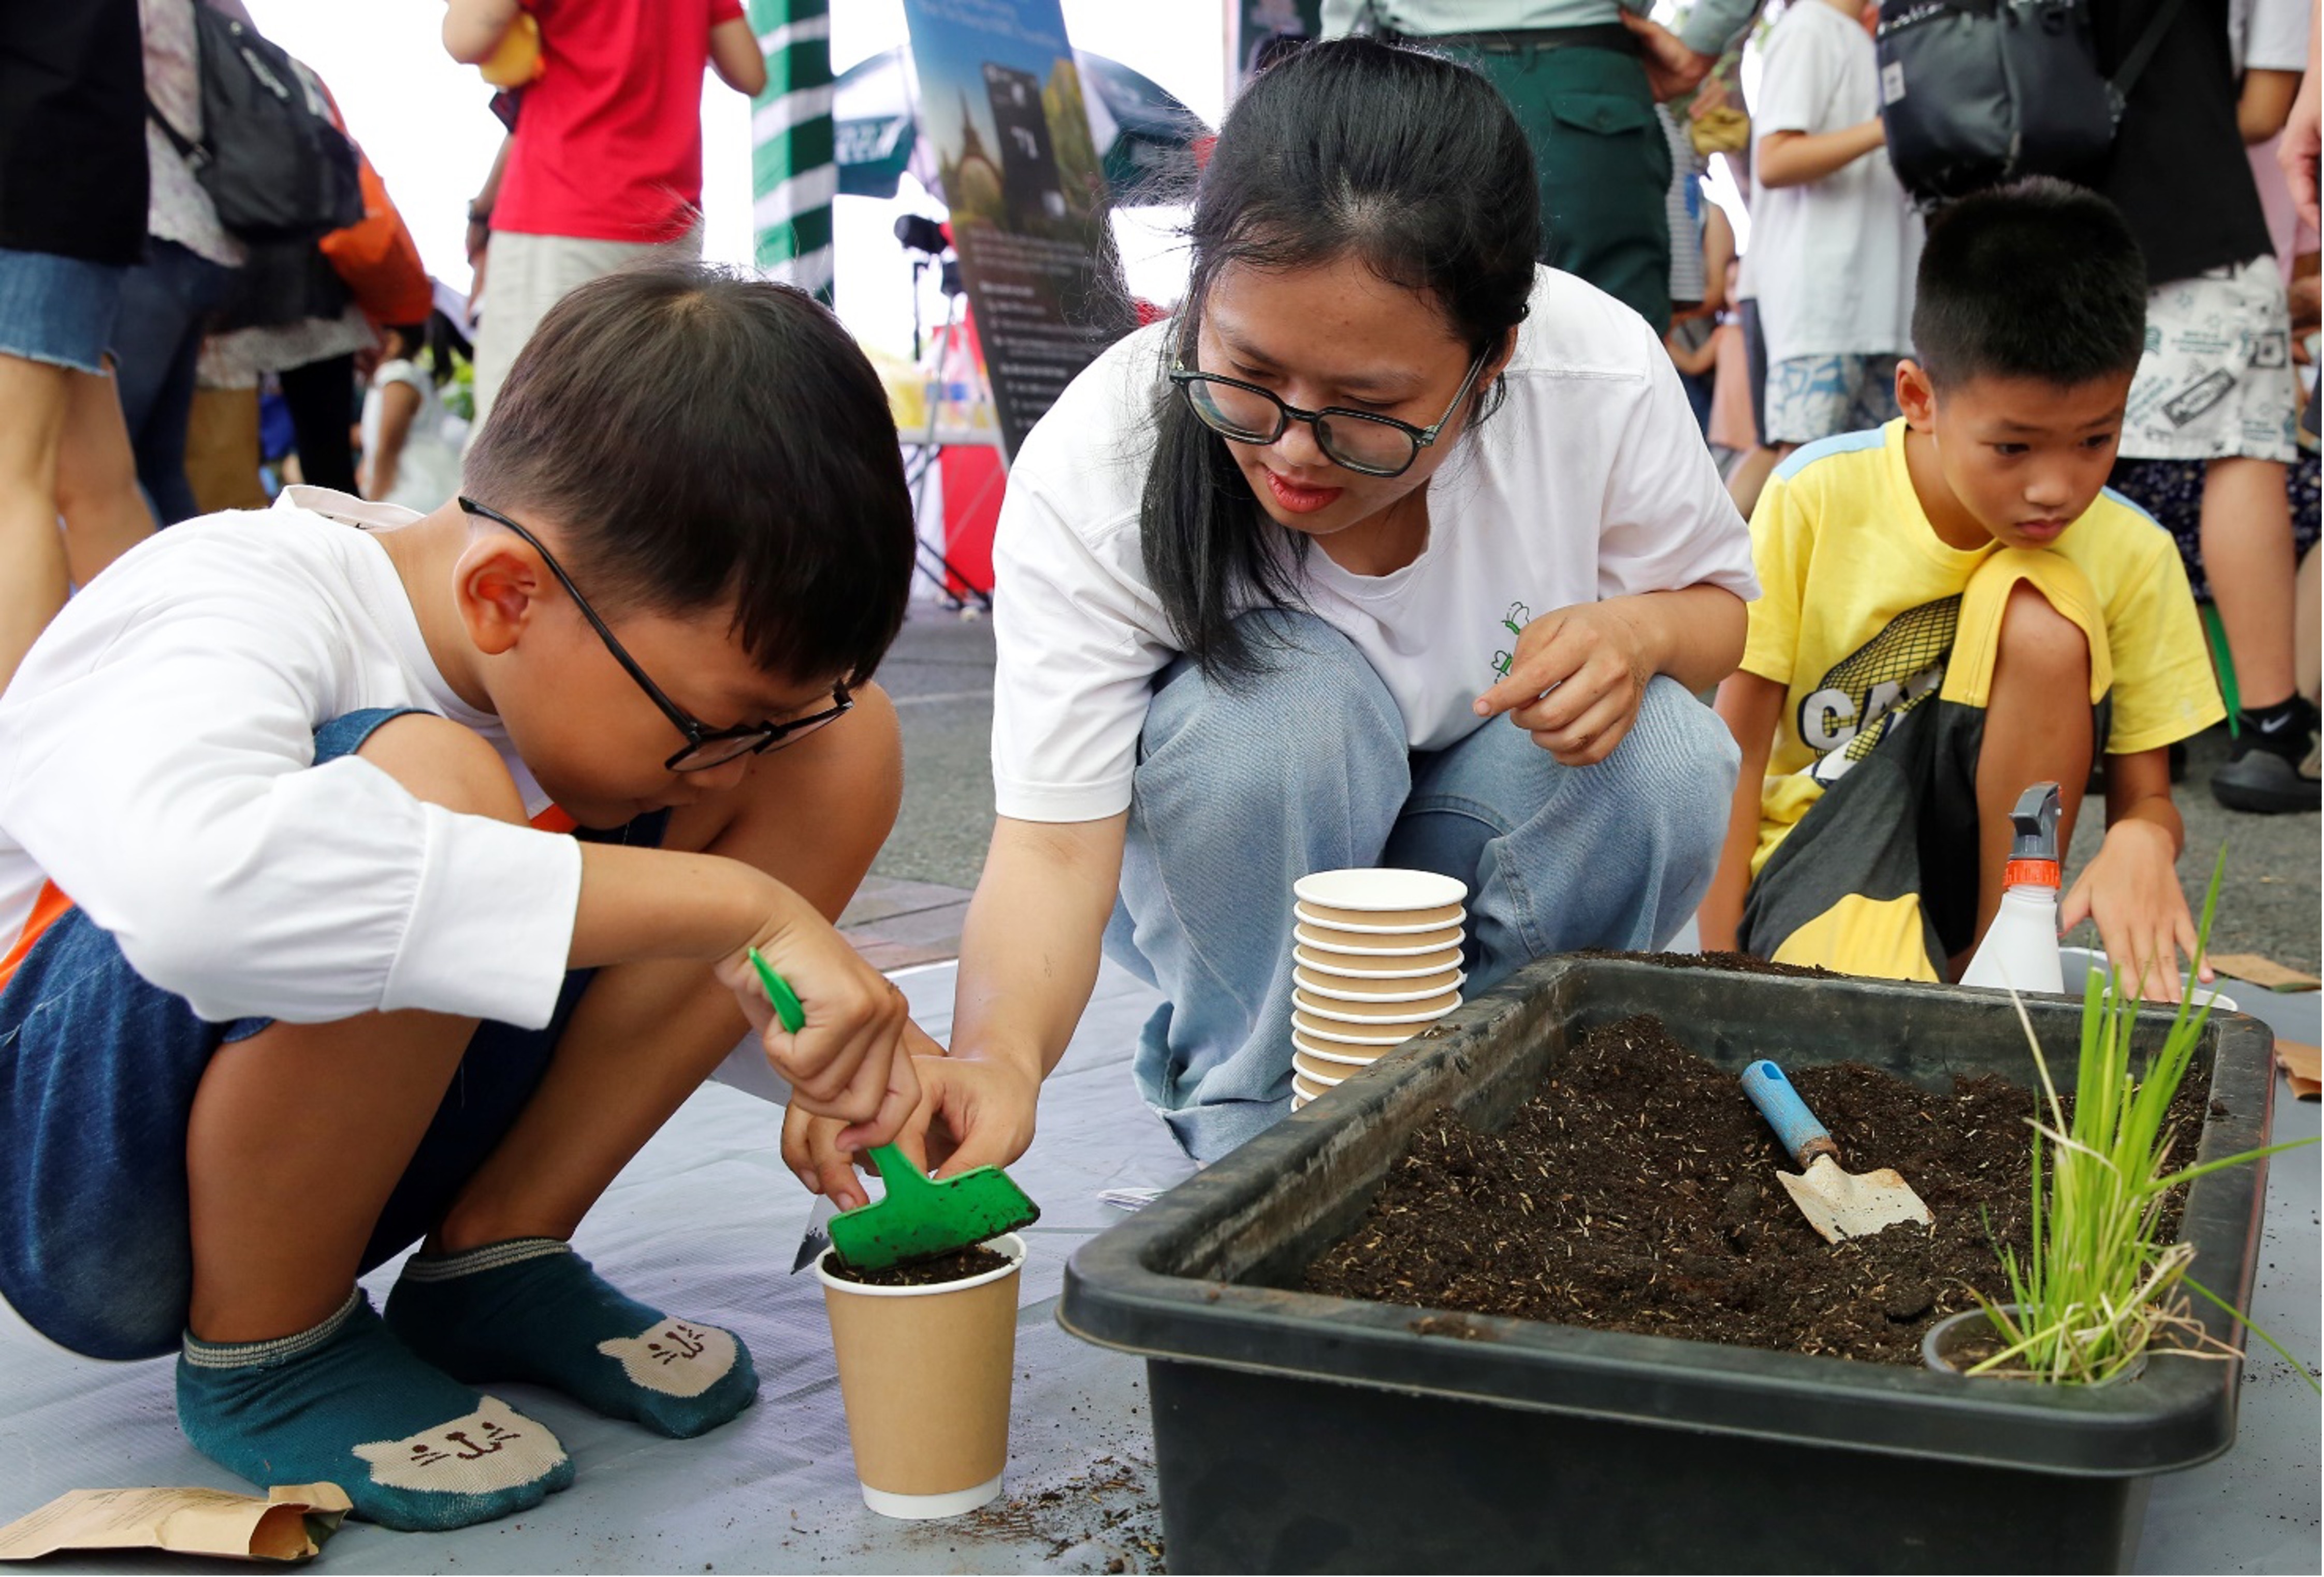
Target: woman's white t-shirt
point(1592, 481)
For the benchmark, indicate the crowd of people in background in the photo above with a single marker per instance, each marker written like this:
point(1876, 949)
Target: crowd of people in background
point(166, 362)
point(184, 366)
point(360, 888)
point(1818, 314)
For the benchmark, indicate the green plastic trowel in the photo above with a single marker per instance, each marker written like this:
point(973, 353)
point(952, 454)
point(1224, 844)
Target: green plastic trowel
point(919, 1217)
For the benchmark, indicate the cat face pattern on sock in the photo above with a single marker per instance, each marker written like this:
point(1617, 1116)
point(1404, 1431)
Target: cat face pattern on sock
point(675, 1357)
point(493, 1448)
point(531, 1309)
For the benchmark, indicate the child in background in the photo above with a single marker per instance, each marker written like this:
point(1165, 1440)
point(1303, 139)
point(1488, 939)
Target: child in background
point(410, 444)
point(1834, 242)
point(333, 978)
point(2217, 385)
point(1732, 431)
point(1952, 609)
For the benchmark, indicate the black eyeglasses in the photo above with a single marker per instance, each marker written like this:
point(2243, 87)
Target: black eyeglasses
point(1375, 445)
point(706, 747)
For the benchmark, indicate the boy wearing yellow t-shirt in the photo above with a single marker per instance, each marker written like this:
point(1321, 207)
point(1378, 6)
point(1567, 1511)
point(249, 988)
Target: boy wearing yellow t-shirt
point(1952, 608)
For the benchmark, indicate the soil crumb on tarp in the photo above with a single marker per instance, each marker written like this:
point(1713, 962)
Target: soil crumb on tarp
point(1636, 1191)
point(957, 1265)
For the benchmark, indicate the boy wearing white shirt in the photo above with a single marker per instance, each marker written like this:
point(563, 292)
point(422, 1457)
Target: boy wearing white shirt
point(331, 978)
point(1835, 243)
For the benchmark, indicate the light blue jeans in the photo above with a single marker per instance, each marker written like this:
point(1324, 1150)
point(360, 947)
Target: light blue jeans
point(1243, 790)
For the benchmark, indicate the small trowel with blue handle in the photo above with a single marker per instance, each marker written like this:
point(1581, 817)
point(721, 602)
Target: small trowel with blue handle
point(1839, 1204)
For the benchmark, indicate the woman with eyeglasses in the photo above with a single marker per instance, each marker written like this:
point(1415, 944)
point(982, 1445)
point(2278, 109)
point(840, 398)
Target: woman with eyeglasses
point(1390, 548)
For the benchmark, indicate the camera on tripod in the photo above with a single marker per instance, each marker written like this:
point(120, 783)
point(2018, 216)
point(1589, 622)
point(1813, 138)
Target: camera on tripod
point(920, 234)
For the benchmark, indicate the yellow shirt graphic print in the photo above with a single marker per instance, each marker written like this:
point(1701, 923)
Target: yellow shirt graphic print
point(1859, 698)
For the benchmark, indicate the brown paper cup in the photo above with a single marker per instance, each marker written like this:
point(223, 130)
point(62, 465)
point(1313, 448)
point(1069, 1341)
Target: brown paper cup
point(1329, 988)
point(1364, 1009)
point(1302, 1086)
point(1382, 890)
point(925, 1372)
point(1382, 946)
point(1378, 1036)
point(1331, 960)
point(1316, 1070)
point(1379, 922)
point(1334, 1059)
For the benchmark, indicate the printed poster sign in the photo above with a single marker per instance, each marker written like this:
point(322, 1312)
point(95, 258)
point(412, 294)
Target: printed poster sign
point(1001, 98)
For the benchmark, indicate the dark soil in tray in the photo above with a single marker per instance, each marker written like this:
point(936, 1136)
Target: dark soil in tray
point(1636, 1191)
point(1719, 963)
point(957, 1265)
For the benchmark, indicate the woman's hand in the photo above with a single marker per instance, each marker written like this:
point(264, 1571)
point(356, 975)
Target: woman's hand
point(1575, 682)
point(972, 1113)
point(2132, 890)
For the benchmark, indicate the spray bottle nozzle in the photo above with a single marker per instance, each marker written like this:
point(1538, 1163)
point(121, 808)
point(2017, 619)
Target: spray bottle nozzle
point(2034, 851)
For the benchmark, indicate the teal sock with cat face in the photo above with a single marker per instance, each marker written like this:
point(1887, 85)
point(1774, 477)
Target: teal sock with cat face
point(347, 1402)
point(533, 1309)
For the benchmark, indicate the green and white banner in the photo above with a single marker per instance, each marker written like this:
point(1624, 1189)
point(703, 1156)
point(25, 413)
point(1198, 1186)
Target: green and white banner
point(794, 176)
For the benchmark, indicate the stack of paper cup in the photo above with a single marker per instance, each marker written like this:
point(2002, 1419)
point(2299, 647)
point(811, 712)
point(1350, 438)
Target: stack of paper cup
point(1376, 958)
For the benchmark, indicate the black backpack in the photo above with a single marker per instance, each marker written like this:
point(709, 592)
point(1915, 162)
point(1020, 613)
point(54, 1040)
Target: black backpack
point(1976, 92)
point(270, 160)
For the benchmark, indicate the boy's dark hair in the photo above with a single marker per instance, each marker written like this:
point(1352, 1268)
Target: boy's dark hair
point(704, 439)
point(1343, 148)
point(2039, 279)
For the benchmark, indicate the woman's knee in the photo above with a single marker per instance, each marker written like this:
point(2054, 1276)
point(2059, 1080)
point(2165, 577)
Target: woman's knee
point(442, 763)
point(1677, 765)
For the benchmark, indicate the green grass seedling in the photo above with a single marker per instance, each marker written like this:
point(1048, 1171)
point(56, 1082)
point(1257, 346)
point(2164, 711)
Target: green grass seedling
point(2097, 1290)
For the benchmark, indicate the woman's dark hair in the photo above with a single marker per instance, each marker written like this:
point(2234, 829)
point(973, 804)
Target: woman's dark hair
point(1346, 148)
point(2040, 278)
point(704, 439)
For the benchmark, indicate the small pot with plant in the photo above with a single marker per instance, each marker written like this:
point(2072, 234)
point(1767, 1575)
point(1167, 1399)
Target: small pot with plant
point(2101, 1285)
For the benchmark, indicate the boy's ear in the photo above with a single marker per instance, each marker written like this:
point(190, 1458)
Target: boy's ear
point(1916, 397)
point(497, 585)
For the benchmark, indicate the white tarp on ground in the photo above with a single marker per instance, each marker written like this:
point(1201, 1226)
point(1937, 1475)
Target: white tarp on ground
point(706, 1221)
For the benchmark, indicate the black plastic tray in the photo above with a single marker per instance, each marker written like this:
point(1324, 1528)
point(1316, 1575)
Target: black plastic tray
point(1295, 1432)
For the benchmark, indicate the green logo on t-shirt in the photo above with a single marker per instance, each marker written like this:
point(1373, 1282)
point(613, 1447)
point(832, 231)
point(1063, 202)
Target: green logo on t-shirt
point(1514, 622)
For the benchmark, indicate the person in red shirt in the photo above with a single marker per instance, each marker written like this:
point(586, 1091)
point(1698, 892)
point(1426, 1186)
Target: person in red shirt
point(605, 165)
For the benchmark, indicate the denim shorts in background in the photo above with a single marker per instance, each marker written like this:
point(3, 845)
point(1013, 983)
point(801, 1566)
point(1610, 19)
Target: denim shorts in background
point(97, 1074)
point(59, 310)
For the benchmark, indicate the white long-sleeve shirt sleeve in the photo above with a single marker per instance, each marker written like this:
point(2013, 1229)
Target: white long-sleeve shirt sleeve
point(156, 764)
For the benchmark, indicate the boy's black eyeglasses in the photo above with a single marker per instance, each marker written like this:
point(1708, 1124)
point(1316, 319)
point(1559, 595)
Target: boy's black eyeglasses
point(706, 747)
point(1376, 446)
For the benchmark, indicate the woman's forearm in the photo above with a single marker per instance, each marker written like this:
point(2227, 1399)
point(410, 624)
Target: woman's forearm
point(1029, 951)
point(1693, 634)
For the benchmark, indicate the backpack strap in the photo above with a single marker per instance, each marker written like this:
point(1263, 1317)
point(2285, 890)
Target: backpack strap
point(2134, 63)
point(192, 153)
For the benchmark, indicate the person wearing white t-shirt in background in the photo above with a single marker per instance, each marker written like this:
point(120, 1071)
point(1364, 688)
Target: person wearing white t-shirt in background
point(1834, 241)
point(1375, 554)
point(410, 444)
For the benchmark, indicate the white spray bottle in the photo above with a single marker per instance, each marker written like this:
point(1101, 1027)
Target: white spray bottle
point(2020, 950)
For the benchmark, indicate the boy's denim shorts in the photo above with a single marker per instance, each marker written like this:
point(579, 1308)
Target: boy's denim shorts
point(97, 1075)
point(59, 310)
